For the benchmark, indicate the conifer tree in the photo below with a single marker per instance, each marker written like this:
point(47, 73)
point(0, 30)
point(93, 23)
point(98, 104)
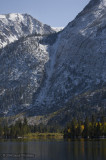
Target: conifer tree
point(86, 128)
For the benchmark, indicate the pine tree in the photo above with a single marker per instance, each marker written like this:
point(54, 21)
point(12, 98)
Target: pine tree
point(73, 128)
point(103, 126)
point(6, 131)
point(1, 131)
point(98, 130)
point(78, 130)
point(86, 128)
point(93, 127)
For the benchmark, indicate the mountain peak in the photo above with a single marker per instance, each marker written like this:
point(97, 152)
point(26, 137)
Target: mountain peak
point(92, 3)
point(93, 7)
point(15, 16)
point(16, 25)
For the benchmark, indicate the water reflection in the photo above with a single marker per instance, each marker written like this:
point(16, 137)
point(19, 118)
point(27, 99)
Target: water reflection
point(56, 150)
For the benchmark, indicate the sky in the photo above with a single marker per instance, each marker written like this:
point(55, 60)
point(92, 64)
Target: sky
point(56, 13)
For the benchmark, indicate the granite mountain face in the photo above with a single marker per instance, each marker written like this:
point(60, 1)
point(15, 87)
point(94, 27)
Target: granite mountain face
point(40, 74)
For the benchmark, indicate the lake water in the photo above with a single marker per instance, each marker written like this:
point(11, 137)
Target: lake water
point(53, 150)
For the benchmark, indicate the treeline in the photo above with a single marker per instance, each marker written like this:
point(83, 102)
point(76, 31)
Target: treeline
point(89, 128)
point(20, 129)
point(93, 128)
point(14, 131)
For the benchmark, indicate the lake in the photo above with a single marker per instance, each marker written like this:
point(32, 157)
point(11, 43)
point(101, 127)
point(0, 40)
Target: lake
point(53, 150)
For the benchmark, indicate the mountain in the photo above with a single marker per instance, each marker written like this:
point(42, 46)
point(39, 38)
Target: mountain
point(78, 63)
point(57, 73)
point(13, 26)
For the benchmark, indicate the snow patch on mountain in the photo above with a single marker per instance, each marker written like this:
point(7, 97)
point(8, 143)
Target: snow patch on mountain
point(57, 29)
point(15, 17)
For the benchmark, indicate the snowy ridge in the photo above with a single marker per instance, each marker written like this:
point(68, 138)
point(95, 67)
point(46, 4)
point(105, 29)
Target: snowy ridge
point(13, 26)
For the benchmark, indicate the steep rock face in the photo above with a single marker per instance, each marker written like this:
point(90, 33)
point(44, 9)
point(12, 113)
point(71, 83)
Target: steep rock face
point(13, 26)
point(80, 58)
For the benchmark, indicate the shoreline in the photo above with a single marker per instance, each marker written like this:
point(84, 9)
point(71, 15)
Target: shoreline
point(58, 136)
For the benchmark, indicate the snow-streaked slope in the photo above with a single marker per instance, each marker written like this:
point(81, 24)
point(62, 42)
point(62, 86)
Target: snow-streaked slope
point(80, 58)
point(22, 69)
point(13, 26)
